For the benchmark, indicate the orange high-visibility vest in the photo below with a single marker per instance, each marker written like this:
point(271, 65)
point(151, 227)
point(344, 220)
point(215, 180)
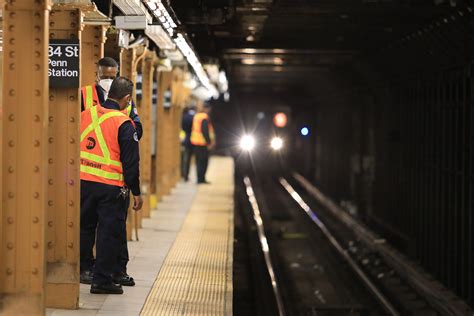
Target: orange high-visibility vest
point(91, 98)
point(100, 150)
point(197, 137)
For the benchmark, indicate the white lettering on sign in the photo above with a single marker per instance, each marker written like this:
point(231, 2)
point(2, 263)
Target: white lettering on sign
point(63, 63)
point(67, 50)
point(63, 73)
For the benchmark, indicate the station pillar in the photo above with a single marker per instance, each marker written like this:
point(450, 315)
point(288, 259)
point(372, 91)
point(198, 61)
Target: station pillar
point(92, 49)
point(148, 71)
point(63, 183)
point(25, 157)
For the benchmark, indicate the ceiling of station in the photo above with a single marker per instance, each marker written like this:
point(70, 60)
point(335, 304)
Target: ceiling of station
point(255, 38)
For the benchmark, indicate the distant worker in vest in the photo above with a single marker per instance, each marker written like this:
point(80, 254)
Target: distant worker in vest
point(203, 140)
point(109, 171)
point(107, 71)
point(187, 147)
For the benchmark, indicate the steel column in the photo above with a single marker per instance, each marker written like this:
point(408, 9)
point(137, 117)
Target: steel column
point(25, 162)
point(127, 58)
point(92, 49)
point(164, 82)
point(148, 71)
point(62, 289)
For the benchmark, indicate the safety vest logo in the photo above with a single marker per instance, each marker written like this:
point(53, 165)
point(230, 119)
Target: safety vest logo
point(90, 143)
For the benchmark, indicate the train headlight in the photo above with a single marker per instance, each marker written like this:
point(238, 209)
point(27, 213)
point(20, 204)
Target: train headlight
point(276, 143)
point(247, 142)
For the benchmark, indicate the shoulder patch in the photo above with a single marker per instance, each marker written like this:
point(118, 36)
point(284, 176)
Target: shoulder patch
point(135, 136)
point(135, 110)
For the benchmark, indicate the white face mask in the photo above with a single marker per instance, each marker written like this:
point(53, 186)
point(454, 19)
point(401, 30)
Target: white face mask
point(105, 84)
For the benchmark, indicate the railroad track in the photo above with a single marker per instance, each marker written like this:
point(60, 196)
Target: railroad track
point(318, 264)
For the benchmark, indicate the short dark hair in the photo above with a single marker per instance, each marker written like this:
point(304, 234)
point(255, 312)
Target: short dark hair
point(107, 62)
point(121, 86)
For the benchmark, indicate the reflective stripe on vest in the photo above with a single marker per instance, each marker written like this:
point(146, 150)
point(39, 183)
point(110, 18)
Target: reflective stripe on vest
point(197, 137)
point(91, 98)
point(102, 168)
point(89, 94)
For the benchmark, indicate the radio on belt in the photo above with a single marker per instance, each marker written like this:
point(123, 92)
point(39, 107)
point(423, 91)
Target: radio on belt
point(63, 63)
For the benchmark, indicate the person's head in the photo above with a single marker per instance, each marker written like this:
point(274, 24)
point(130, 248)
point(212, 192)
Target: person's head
point(121, 91)
point(107, 71)
point(206, 108)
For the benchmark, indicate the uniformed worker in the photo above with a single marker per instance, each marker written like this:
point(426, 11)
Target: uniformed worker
point(202, 139)
point(109, 169)
point(187, 147)
point(96, 93)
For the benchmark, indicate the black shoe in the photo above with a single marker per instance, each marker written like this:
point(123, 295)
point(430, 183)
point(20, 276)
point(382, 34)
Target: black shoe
point(124, 279)
point(86, 277)
point(106, 289)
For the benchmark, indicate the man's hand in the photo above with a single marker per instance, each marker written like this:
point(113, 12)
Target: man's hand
point(137, 202)
point(211, 146)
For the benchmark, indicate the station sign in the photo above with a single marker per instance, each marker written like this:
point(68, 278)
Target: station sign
point(63, 61)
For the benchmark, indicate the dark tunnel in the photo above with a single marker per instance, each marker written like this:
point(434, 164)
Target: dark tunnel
point(386, 87)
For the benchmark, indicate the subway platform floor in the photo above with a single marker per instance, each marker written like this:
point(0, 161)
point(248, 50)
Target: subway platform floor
point(182, 264)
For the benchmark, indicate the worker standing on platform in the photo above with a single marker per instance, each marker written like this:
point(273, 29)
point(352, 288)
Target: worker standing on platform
point(202, 139)
point(96, 94)
point(92, 95)
point(109, 169)
point(187, 147)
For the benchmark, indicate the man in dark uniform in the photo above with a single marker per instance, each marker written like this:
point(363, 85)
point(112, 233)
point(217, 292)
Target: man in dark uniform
point(202, 139)
point(186, 127)
point(107, 71)
point(96, 94)
point(109, 169)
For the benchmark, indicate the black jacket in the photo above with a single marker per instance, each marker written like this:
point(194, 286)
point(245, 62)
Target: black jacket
point(129, 152)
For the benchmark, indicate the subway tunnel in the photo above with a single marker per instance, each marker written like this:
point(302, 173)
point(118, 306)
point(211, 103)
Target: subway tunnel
point(375, 146)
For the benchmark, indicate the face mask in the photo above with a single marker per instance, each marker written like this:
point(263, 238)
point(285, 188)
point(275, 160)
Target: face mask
point(105, 84)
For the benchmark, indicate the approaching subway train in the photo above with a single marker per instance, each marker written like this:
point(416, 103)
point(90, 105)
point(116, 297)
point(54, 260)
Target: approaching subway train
point(263, 142)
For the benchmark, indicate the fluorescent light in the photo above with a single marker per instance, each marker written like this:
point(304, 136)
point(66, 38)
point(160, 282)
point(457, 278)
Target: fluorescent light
point(248, 61)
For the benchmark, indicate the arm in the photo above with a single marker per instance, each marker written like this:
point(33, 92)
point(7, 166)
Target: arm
point(205, 131)
point(82, 102)
point(130, 157)
point(136, 119)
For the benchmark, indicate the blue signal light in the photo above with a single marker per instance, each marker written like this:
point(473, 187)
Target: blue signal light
point(304, 131)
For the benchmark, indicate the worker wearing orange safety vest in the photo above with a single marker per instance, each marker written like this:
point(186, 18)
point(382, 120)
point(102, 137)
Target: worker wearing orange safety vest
point(109, 169)
point(202, 139)
point(96, 94)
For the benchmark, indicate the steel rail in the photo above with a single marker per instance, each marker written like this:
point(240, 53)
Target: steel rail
point(355, 267)
point(437, 297)
point(264, 244)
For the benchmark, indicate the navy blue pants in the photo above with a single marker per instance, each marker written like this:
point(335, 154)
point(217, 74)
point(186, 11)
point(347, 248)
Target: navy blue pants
point(202, 161)
point(102, 211)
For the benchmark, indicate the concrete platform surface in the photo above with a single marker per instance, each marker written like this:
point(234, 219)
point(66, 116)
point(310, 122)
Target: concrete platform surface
point(183, 262)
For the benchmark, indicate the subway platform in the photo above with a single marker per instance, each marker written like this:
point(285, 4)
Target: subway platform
point(182, 264)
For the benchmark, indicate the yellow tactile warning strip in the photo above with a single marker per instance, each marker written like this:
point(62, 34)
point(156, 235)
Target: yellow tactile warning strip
point(196, 277)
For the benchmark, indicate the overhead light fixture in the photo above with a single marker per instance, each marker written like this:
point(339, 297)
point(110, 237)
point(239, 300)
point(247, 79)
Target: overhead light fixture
point(278, 61)
point(131, 7)
point(162, 15)
point(160, 37)
point(248, 61)
point(169, 25)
